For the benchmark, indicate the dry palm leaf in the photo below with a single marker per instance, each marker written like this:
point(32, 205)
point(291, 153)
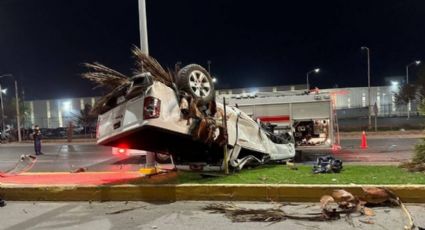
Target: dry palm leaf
point(238, 214)
point(117, 82)
point(146, 63)
point(104, 77)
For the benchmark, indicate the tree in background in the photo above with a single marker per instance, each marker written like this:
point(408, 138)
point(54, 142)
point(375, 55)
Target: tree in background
point(87, 119)
point(10, 112)
point(415, 91)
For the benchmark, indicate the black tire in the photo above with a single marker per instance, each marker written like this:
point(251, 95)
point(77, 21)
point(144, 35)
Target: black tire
point(196, 81)
point(162, 158)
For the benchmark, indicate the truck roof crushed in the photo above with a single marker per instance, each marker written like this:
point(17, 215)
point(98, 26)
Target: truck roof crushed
point(175, 112)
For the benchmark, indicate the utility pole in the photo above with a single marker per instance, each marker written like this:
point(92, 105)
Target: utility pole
point(368, 85)
point(18, 113)
point(18, 120)
point(407, 83)
point(144, 47)
point(2, 111)
point(209, 67)
point(316, 70)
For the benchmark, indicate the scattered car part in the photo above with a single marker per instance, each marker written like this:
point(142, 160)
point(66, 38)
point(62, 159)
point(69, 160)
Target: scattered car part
point(2, 203)
point(327, 164)
point(24, 164)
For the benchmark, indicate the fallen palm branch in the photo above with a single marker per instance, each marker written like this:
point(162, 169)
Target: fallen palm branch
point(240, 214)
point(146, 63)
point(117, 83)
point(104, 77)
point(339, 203)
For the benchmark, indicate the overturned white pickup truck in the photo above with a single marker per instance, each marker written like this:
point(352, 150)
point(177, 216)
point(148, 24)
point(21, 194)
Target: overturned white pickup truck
point(179, 117)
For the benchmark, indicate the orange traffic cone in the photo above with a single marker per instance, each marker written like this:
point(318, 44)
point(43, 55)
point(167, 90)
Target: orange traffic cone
point(364, 141)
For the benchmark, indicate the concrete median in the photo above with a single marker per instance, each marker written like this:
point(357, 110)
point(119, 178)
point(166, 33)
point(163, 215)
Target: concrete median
point(180, 192)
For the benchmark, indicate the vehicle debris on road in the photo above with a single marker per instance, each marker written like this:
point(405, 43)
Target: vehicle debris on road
point(327, 164)
point(24, 164)
point(2, 203)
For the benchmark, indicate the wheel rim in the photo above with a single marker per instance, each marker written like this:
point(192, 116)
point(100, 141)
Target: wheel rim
point(199, 84)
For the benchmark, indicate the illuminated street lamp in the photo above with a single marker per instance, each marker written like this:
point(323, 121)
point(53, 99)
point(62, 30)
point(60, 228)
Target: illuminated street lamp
point(2, 91)
point(417, 62)
point(368, 83)
point(18, 120)
point(317, 70)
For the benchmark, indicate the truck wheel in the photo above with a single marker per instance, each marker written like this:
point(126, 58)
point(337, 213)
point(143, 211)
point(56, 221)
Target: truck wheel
point(196, 81)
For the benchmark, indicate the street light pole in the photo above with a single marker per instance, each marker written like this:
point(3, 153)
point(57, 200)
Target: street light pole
point(144, 47)
point(308, 73)
point(407, 83)
point(143, 27)
point(368, 85)
point(18, 114)
point(209, 66)
point(2, 111)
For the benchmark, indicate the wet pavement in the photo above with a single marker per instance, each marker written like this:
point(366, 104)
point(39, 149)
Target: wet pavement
point(379, 150)
point(69, 157)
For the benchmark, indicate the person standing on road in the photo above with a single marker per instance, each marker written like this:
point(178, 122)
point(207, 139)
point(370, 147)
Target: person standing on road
point(36, 135)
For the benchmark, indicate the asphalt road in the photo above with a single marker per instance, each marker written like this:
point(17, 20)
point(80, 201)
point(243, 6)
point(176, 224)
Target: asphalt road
point(68, 157)
point(379, 150)
point(183, 215)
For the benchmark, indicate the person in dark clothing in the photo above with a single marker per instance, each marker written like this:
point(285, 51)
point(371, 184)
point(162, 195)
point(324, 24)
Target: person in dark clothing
point(37, 140)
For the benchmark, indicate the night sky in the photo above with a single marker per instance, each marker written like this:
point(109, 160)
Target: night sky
point(250, 43)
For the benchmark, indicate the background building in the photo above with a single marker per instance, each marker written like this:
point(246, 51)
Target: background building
point(351, 105)
point(56, 112)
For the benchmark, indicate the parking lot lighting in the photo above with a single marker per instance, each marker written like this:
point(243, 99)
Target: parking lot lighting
point(368, 85)
point(66, 106)
point(316, 70)
point(18, 123)
point(214, 80)
point(417, 62)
